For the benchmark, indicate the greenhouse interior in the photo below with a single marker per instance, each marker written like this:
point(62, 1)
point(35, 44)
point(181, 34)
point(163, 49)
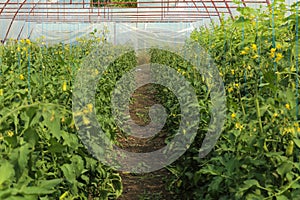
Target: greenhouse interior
point(149, 99)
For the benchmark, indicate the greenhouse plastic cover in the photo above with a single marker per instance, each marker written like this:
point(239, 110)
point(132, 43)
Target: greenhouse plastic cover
point(119, 33)
point(67, 32)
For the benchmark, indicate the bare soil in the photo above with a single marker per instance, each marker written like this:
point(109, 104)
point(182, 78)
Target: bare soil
point(150, 185)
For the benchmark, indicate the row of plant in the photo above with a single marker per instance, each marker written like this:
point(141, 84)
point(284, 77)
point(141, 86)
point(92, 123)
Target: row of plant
point(257, 155)
point(114, 3)
point(41, 156)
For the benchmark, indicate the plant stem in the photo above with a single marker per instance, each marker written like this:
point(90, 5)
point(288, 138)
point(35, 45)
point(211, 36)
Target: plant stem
point(285, 189)
point(258, 115)
point(29, 106)
point(243, 109)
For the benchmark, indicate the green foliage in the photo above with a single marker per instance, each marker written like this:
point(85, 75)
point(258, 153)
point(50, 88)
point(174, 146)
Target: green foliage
point(41, 156)
point(107, 84)
point(114, 3)
point(257, 154)
point(168, 99)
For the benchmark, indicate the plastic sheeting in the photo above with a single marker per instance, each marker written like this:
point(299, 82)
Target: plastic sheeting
point(119, 32)
point(68, 32)
point(138, 34)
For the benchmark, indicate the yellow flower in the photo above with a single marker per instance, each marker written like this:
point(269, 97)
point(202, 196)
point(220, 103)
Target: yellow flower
point(18, 49)
point(247, 48)
point(298, 129)
point(290, 130)
point(1, 137)
point(243, 52)
point(63, 119)
point(287, 106)
point(1, 92)
point(85, 120)
point(255, 56)
point(178, 70)
point(279, 56)
point(233, 115)
point(275, 115)
point(249, 67)
point(239, 126)
point(10, 133)
point(230, 89)
point(27, 41)
point(273, 50)
point(254, 47)
point(232, 71)
point(272, 54)
point(296, 124)
point(278, 46)
point(85, 111)
point(21, 77)
point(237, 85)
point(64, 86)
point(90, 107)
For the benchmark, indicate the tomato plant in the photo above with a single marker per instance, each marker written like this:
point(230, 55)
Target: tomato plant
point(257, 154)
point(41, 155)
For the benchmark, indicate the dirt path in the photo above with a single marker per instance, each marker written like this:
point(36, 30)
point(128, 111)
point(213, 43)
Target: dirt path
point(151, 185)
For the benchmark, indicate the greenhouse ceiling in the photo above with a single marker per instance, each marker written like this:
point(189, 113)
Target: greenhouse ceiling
point(19, 17)
point(103, 10)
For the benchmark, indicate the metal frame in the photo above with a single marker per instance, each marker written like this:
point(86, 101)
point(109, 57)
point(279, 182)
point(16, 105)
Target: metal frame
point(160, 11)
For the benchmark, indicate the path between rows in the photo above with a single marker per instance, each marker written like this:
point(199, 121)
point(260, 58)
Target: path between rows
point(149, 185)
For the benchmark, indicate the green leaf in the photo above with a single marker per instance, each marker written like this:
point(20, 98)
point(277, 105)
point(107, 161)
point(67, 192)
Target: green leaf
point(71, 140)
point(52, 121)
point(281, 197)
point(56, 147)
point(31, 136)
point(78, 164)
point(263, 84)
point(69, 172)
point(7, 172)
point(284, 168)
point(23, 156)
point(215, 184)
point(248, 184)
point(254, 197)
point(26, 197)
point(49, 184)
point(35, 190)
point(297, 142)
